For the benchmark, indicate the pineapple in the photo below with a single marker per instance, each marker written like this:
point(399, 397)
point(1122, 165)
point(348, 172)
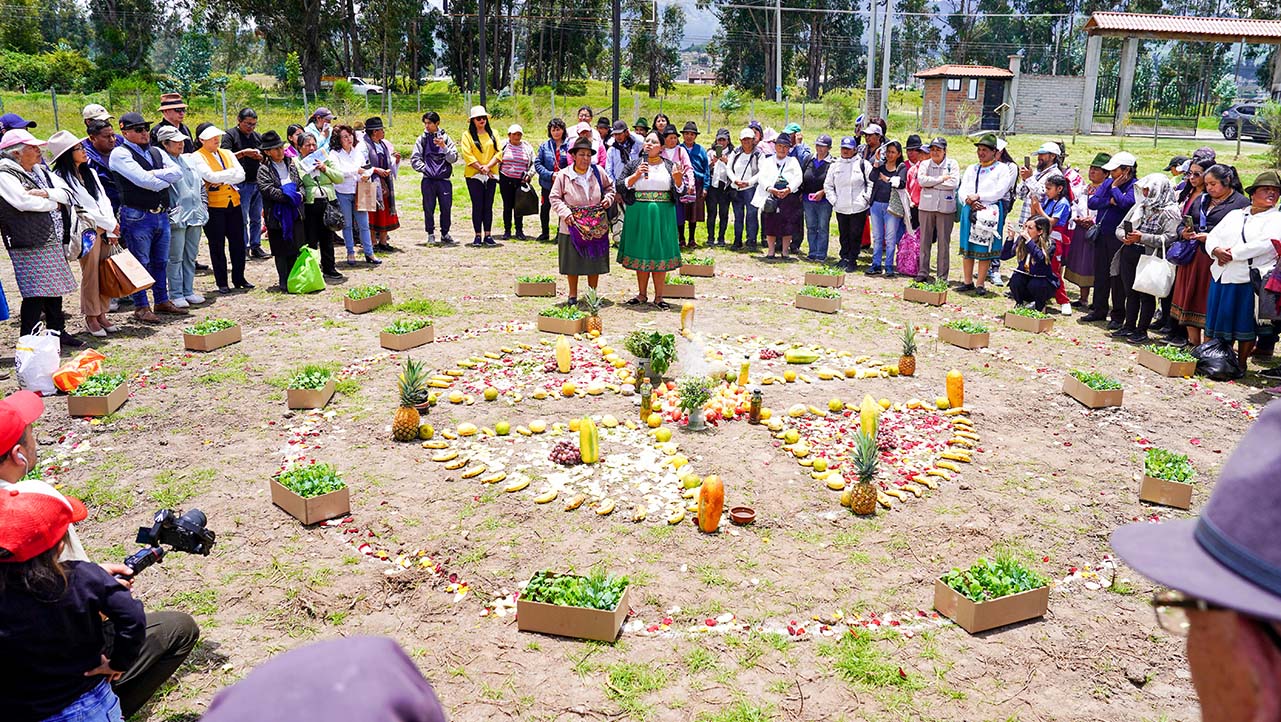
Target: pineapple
point(592, 303)
point(907, 362)
point(413, 397)
point(866, 456)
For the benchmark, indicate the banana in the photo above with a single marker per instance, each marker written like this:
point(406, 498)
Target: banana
point(575, 502)
point(966, 435)
point(677, 517)
point(884, 501)
point(837, 484)
point(491, 354)
point(913, 489)
point(929, 483)
point(445, 456)
point(605, 508)
point(467, 364)
point(435, 444)
point(955, 456)
point(524, 431)
point(859, 360)
point(456, 464)
point(690, 493)
point(545, 497)
point(433, 383)
point(517, 485)
point(939, 473)
point(806, 462)
point(473, 473)
point(803, 377)
point(495, 478)
point(638, 514)
point(822, 475)
point(896, 493)
point(950, 466)
point(959, 421)
point(449, 435)
point(455, 372)
point(957, 441)
point(507, 349)
point(826, 374)
point(957, 412)
point(692, 508)
point(524, 346)
point(817, 411)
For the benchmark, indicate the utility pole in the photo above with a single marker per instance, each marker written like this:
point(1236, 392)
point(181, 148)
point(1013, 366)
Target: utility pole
point(484, 81)
point(871, 62)
point(618, 51)
point(778, 51)
point(885, 59)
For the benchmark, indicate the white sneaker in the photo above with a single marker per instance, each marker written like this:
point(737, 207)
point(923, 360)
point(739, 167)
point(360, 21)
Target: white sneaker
point(1066, 309)
point(995, 278)
point(113, 306)
point(195, 298)
point(180, 302)
point(431, 239)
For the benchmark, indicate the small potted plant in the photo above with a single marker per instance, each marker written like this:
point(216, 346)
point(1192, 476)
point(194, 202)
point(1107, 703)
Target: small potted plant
point(1093, 389)
point(1167, 479)
point(964, 333)
point(406, 333)
point(541, 285)
point(662, 353)
point(818, 298)
point(694, 392)
point(932, 293)
point(98, 395)
point(211, 334)
point(311, 492)
point(567, 320)
point(585, 607)
point(679, 287)
point(695, 266)
point(1029, 319)
point(363, 299)
point(826, 276)
point(311, 387)
point(1168, 360)
point(991, 593)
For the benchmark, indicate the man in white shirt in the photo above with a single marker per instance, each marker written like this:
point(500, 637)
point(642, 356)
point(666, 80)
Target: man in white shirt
point(744, 164)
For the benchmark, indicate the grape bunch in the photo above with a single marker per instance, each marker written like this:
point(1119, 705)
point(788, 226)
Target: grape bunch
point(566, 453)
point(769, 353)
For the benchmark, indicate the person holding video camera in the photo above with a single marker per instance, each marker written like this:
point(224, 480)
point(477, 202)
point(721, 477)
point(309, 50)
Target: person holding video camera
point(169, 636)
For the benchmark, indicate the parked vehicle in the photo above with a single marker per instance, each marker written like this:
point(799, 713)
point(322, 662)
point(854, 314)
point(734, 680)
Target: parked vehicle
point(1252, 124)
point(358, 85)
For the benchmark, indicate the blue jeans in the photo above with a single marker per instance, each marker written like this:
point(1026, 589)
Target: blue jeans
point(99, 704)
point(743, 204)
point(184, 244)
point(251, 209)
point(885, 235)
point(146, 235)
point(818, 223)
point(354, 219)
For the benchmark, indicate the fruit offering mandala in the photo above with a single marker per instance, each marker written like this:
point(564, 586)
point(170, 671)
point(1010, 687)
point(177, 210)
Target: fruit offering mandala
point(635, 477)
point(515, 373)
point(770, 361)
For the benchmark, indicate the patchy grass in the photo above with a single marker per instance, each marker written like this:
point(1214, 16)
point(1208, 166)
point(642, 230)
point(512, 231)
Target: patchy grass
point(202, 602)
point(424, 307)
point(103, 494)
point(172, 488)
point(740, 711)
point(627, 682)
point(699, 659)
point(857, 660)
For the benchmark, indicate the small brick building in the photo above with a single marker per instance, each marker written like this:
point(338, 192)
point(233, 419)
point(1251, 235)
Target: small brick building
point(960, 99)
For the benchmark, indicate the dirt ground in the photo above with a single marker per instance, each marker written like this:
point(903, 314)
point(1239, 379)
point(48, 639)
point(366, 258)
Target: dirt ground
point(1051, 482)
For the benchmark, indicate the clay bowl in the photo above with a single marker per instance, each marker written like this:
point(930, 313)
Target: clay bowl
point(742, 515)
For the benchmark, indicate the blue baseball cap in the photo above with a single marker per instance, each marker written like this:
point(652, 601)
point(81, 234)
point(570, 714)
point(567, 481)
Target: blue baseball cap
point(13, 121)
point(849, 142)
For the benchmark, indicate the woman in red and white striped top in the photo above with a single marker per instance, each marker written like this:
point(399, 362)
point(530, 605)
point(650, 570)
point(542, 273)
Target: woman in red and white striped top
point(515, 169)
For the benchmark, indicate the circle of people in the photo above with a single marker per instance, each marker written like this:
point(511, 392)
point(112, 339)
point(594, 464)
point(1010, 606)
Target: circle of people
point(153, 189)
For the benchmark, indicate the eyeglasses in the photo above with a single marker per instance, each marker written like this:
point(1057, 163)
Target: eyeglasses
point(1172, 607)
point(1195, 174)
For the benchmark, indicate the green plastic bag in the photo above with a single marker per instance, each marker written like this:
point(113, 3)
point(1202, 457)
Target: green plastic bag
point(305, 276)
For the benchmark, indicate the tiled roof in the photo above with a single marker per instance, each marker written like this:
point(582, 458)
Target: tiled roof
point(1182, 25)
point(965, 71)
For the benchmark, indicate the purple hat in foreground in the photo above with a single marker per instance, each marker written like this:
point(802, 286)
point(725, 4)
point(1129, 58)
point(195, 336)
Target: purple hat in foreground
point(1229, 556)
point(366, 679)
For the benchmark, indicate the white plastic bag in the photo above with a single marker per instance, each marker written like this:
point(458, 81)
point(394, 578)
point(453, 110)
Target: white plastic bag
point(1154, 275)
point(37, 359)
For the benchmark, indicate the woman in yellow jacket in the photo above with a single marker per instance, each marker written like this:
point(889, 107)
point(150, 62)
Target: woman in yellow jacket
point(479, 151)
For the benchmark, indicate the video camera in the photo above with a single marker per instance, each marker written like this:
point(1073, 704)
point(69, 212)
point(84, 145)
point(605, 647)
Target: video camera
point(183, 532)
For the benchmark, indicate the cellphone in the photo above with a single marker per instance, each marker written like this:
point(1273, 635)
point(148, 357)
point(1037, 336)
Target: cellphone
point(1128, 226)
point(1187, 221)
point(1027, 161)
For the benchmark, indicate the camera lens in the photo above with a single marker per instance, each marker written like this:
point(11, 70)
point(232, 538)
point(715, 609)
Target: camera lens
point(196, 518)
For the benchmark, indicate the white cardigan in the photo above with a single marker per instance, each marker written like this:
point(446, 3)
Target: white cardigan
point(1249, 238)
point(97, 210)
point(993, 182)
point(769, 173)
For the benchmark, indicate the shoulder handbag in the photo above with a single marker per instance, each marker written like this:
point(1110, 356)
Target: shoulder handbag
point(526, 203)
point(1183, 251)
point(1265, 300)
point(1154, 275)
point(333, 217)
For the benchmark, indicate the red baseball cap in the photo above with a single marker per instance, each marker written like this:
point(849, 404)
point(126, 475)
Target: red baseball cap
point(33, 517)
point(17, 412)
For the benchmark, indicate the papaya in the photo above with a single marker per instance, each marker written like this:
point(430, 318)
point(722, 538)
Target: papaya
point(800, 356)
point(588, 440)
point(711, 502)
point(955, 389)
point(562, 355)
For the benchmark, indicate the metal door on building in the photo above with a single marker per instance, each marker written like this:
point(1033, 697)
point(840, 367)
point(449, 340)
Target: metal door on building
point(993, 96)
point(1172, 108)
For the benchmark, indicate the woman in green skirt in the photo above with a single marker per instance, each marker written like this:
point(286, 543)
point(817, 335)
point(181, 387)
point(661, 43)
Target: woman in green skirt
point(649, 244)
point(580, 196)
